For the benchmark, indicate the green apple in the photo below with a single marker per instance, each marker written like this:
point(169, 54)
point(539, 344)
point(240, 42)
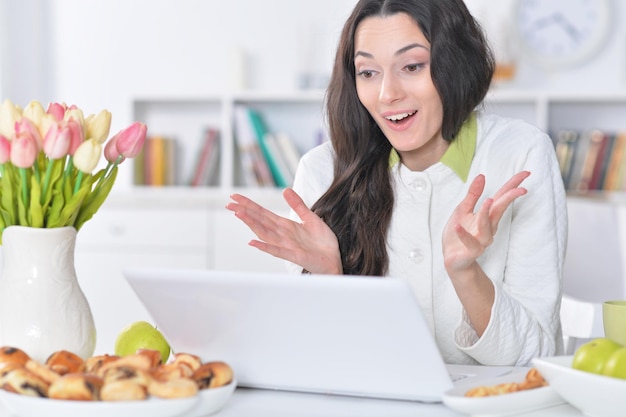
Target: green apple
point(616, 364)
point(593, 355)
point(141, 335)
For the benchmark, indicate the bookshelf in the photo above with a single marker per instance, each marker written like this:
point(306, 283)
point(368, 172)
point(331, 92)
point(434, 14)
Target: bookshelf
point(296, 115)
point(299, 115)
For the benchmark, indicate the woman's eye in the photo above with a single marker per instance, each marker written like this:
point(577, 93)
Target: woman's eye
point(366, 73)
point(413, 67)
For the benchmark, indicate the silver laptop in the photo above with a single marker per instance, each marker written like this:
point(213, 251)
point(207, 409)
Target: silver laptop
point(358, 336)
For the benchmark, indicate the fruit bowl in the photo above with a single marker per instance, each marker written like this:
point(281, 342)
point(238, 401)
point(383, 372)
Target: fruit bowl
point(594, 395)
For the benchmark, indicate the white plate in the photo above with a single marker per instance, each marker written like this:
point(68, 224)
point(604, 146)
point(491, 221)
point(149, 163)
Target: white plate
point(504, 404)
point(211, 400)
point(594, 395)
point(206, 402)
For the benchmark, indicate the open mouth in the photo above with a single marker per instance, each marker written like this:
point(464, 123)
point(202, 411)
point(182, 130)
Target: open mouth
point(398, 118)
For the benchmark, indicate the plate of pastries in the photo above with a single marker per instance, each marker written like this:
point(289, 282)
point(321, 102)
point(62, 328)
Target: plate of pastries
point(65, 385)
point(520, 391)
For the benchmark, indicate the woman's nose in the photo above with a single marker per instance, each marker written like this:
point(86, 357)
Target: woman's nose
point(390, 89)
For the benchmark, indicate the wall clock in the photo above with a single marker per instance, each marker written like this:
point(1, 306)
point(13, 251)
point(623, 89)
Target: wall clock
point(562, 33)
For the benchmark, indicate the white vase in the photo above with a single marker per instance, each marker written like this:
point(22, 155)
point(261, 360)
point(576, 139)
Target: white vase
point(42, 307)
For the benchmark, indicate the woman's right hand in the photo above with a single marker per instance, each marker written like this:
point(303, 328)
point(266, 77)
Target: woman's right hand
point(310, 244)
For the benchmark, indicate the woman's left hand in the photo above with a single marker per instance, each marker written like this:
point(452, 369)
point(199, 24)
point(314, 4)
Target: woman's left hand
point(467, 233)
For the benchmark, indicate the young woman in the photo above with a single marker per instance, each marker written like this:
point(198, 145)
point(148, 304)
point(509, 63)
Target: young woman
point(416, 183)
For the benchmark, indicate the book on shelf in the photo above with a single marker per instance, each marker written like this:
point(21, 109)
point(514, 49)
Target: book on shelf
point(578, 160)
point(565, 146)
point(274, 152)
point(591, 160)
point(156, 158)
point(206, 171)
point(289, 151)
point(602, 162)
point(254, 168)
point(139, 164)
point(279, 161)
point(269, 149)
point(615, 169)
point(156, 164)
point(619, 182)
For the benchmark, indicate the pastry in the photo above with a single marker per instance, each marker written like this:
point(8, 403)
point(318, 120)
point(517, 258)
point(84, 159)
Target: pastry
point(175, 388)
point(135, 361)
point(172, 371)
point(126, 373)
point(192, 361)
point(532, 380)
point(76, 386)
point(123, 390)
point(94, 363)
point(42, 371)
point(10, 354)
point(22, 381)
point(63, 362)
point(153, 355)
point(213, 374)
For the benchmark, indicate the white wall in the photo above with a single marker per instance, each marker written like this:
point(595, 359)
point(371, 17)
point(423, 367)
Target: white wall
point(605, 71)
point(103, 53)
point(106, 52)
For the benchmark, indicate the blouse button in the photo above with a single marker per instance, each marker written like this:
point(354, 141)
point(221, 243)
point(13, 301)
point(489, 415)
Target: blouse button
point(416, 256)
point(418, 184)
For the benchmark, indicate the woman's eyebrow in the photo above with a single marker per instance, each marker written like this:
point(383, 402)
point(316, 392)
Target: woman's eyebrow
point(409, 47)
point(397, 53)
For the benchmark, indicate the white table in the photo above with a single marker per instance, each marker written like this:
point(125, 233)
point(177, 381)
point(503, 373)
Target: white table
point(265, 403)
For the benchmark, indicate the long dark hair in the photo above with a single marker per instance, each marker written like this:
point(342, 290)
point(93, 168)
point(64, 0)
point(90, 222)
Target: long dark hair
point(358, 204)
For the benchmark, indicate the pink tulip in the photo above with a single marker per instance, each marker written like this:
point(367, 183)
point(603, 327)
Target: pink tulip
point(111, 153)
point(24, 127)
point(24, 150)
point(57, 110)
point(56, 144)
point(130, 140)
point(77, 135)
point(5, 149)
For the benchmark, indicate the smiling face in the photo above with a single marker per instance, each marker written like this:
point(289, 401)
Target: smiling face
point(393, 82)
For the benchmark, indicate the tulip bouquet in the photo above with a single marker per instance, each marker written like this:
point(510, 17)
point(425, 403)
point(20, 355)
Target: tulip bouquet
point(47, 159)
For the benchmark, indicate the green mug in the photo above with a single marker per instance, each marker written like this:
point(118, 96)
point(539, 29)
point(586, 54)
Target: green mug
point(614, 320)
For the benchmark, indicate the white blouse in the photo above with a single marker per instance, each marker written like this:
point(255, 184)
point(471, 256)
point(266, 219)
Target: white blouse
point(524, 261)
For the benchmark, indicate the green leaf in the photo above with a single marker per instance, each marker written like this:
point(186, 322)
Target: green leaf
point(8, 200)
point(71, 209)
point(22, 215)
point(36, 212)
point(94, 201)
point(55, 179)
point(57, 203)
point(73, 205)
point(2, 226)
point(23, 196)
point(55, 174)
